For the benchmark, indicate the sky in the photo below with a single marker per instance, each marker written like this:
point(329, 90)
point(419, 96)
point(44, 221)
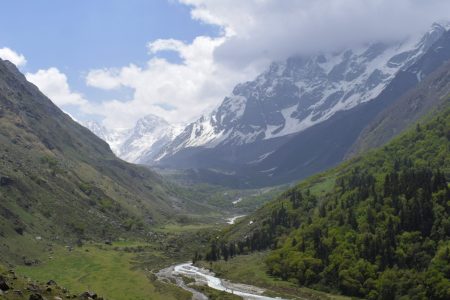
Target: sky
point(116, 61)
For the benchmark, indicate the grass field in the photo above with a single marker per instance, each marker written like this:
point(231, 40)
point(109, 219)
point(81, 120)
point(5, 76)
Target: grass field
point(177, 228)
point(110, 273)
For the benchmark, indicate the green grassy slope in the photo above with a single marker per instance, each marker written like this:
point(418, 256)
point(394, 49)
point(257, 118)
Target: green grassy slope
point(14, 286)
point(110, 271)
point(375, 227)
point(60, 183)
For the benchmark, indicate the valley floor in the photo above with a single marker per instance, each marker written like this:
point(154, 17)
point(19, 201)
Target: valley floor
point(127, 270)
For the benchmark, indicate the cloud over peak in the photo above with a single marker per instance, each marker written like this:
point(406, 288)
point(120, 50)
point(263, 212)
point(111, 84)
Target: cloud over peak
point(271, 30)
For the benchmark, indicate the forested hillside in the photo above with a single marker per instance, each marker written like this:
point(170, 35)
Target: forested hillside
point(376, 227)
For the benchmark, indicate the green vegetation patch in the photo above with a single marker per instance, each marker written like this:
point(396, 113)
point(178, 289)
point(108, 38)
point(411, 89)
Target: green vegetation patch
point(107, 272)
point(213, 294)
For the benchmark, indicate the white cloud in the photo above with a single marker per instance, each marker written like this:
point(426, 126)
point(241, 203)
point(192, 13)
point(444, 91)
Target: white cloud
point(54, 85)
point(14, 57)
point(165, 45)
point(262, 30)
point(188, 88)
point(104, 79)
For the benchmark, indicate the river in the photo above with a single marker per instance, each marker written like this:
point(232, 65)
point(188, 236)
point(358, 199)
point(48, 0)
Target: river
point(203, 276)
point(232, 220)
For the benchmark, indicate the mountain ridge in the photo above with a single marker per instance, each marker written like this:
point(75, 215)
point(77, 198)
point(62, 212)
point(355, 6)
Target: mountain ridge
point(292, 96)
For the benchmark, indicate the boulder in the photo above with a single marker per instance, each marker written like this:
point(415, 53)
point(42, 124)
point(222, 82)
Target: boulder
point(5, 180)
point(3, 285)
point(88, 295)
point(32, 287)
point(51, 282)
point(19, 230)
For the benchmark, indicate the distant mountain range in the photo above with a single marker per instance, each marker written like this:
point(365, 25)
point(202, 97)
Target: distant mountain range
point(300, 116)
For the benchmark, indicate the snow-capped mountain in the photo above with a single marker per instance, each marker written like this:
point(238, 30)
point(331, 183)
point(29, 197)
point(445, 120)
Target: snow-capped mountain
point(150, 134)
point(139, 143)
point(295, 94)
point(303, 115)
point(114, 137)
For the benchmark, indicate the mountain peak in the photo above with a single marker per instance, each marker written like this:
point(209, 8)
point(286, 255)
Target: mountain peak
point(152, 118)
point(150, 123)
point(136, 144)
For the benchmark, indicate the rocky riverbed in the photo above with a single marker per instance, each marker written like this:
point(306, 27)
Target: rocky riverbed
point(202, 276)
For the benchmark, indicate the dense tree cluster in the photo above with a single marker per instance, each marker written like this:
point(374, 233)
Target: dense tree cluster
point(370, 232)
point(280, 222)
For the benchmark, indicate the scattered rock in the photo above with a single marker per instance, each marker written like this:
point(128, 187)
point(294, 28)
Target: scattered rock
point(51, 282)
point(19, 230)
point(88, 295)
point(4, 181)
point(35, 297)
point(32, 287)
point(30, 262)
point(57, 298)
point(3, 285)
